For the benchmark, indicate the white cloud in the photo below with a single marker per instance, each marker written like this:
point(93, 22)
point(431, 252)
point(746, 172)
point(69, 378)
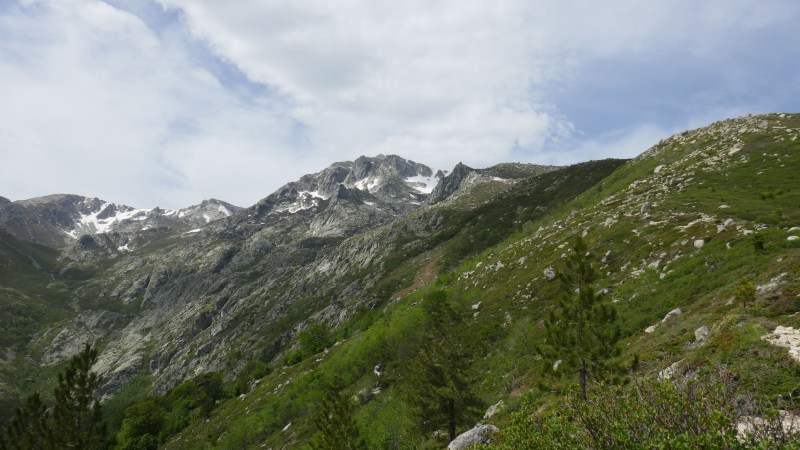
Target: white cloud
point(435, 82)
point(99, 102)
point(448, 80)
point(96, 103)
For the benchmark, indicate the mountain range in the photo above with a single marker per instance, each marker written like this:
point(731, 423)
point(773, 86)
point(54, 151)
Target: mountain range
point(170, 295)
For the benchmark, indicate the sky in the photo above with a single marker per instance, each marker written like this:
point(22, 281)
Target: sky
point(169, 102)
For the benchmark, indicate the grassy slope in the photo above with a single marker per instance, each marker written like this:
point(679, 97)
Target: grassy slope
point(738, 164)
point(32, 295)
point(472, 224)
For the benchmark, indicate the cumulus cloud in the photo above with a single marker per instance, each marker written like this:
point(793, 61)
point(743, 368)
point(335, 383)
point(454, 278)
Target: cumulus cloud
point(171, 101)
point(463, 81)
point(96, 103)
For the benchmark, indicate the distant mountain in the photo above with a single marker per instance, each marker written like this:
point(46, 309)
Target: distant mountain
point(164, 264)
point(389, 181)
point(374, 190)
point(59, 220)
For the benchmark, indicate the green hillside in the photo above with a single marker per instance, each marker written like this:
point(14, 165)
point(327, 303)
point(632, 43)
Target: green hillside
point(408, 329)
point(677, 227)
point(33, 291)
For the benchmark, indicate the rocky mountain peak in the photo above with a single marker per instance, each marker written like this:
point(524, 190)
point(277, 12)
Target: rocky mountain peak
point(450, 183)
point(383, 180)
point(60, 219)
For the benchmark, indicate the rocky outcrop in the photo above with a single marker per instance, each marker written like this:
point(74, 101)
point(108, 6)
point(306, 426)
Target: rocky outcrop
point(481, 434)
point(88, 327)
point(450, 184)
point(672, 314)
point(785, 337)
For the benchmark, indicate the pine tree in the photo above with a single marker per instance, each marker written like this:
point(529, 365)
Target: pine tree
point(29, 428)
point(73, 422)
point(581, 331)
point(440, 386)
point(745, 292)
point(335, 423)
point(77, 418)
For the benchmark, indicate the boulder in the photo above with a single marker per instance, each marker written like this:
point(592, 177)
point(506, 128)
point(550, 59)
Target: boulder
point(792, 238)
point(699, 243)
point(481, 434)
point(701, 334)
point(549, 273)
point(674, 313)
point(494, 409)
point(669, 372)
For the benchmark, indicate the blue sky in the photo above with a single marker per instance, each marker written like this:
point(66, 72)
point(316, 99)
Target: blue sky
point(168, 102)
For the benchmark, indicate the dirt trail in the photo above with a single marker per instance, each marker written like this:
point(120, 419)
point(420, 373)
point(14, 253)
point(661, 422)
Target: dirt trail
point(425, 275)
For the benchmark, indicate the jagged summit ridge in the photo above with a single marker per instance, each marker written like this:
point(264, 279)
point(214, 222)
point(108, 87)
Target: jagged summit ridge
point(463, 175)
point(58, 220)
point(381, 181)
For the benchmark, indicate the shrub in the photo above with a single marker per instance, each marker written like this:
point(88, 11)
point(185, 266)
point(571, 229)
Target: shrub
point(649, 413)
point(315, 338)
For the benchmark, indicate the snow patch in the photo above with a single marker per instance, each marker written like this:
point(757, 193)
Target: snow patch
point(423, 185)
point(367, 184)
point(91, 224)
point(305, 200)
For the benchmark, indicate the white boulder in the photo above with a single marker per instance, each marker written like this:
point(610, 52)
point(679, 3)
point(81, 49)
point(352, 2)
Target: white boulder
point(481, 434)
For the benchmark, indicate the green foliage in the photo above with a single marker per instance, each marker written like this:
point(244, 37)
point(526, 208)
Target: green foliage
point(745, 292)
point(337, 428)
point(151, 421)
point(252, 370)
point(293, 357)
point(440, 385)
point(581, 332)
point(315, 338)
point(142, 427)
point(29, 428)
point(683, 414)
point(75, 419)
point(209, 390)
point(758, 240)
